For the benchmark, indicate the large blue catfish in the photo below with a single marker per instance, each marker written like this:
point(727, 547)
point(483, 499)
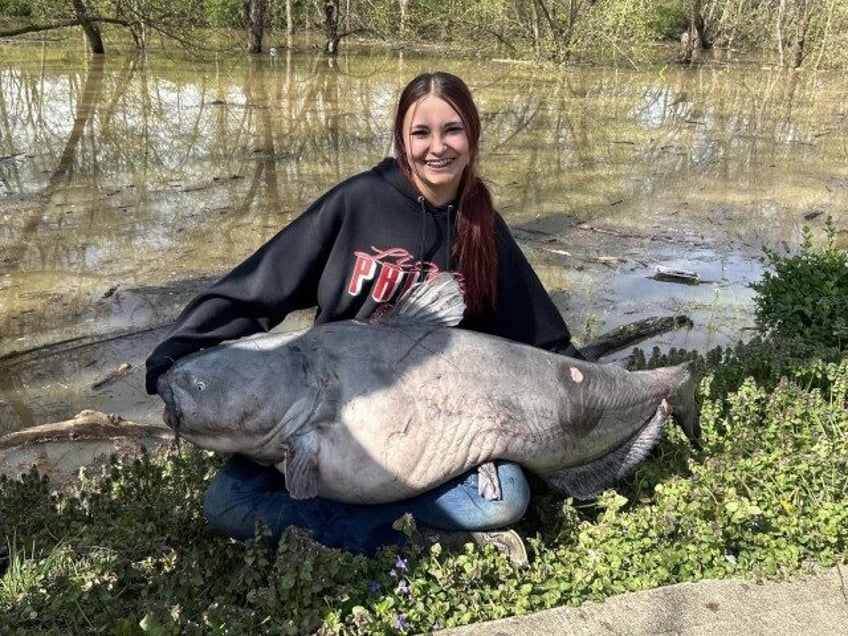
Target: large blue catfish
point(380, 411)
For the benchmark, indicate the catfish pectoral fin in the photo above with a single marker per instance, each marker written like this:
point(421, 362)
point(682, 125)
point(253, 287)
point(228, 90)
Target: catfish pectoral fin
point(590, 480)
point(301, 467)
point(488, 483)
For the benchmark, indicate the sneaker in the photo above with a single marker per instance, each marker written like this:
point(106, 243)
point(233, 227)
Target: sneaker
point(451, 540)
point(507, 541)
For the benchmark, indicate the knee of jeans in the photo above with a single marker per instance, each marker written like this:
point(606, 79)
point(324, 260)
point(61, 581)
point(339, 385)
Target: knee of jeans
point(213, 504)
point(508, 510)
point(222, 514)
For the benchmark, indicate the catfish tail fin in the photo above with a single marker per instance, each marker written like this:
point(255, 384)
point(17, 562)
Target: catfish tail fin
point(684, 408)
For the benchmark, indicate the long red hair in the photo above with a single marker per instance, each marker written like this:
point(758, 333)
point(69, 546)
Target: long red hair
point(474, 252)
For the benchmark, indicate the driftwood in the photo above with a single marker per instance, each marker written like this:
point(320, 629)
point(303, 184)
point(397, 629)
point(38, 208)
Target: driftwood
point(85, 425)
point(120, 371)
point(684, 276)
point(60, 449)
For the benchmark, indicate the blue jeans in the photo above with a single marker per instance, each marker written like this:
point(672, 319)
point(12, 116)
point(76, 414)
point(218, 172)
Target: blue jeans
point(244, 492)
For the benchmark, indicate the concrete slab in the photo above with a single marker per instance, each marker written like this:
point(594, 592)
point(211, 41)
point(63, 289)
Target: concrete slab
point(815, 605)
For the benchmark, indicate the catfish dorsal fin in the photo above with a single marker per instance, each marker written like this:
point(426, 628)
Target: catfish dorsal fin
point(437, 301)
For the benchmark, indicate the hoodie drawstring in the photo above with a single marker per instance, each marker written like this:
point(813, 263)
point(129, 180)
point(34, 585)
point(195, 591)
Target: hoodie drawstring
point(448, 252)
point(450, 240)
point(423, 233)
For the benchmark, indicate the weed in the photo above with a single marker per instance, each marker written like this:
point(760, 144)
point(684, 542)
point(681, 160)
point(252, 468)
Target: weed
point(805, 297)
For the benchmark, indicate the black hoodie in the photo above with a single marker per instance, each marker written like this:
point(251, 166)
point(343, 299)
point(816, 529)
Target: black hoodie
point(354, 250)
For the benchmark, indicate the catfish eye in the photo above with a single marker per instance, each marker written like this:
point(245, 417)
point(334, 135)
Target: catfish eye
point(200, 385)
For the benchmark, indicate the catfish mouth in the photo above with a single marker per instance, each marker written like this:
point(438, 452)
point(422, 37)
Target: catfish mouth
point(171, 419)
point(174, 417)
point(171, 415)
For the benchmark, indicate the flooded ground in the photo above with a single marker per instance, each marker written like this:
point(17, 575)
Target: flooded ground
point(129, 183)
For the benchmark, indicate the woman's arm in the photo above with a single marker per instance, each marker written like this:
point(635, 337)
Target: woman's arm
point(280, 277)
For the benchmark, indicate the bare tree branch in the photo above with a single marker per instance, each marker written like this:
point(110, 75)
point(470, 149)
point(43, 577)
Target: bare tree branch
point(62, 24)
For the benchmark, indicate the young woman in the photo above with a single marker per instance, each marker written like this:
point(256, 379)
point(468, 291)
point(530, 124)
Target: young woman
point(352, 253)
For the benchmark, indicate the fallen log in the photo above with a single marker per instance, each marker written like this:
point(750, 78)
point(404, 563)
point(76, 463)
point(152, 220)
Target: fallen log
point(632, 334)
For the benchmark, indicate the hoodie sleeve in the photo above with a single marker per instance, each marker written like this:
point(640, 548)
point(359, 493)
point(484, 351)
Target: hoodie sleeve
point(524, 311)
point(280, 277)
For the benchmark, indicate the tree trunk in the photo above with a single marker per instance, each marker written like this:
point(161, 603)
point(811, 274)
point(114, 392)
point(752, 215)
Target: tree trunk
point(139, 30)
point(91, 28)
point(255, 17)
point(698, 25)
point(404, 8)
point(289, 24)
point(331, 27)
point(799, 52)
point(694, 39)
point(534, 27)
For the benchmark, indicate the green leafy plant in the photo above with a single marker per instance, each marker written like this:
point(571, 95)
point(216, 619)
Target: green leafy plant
point(670, 19)
point(805, 297)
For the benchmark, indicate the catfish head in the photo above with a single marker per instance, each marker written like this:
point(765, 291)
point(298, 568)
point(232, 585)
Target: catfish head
point(236, 397)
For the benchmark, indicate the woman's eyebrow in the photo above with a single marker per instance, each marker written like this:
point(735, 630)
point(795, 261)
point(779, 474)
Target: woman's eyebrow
point(455, 122)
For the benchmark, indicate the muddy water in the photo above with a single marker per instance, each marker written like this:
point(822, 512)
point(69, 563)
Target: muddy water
point(128, 183)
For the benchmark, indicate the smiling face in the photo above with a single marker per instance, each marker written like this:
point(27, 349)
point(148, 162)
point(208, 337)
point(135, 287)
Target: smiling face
point(437, 148)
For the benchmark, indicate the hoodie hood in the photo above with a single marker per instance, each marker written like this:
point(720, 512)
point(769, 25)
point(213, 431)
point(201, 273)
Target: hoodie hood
point(445, 216)
point(390, 171)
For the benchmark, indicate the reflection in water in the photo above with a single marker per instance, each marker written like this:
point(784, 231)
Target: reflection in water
point(89, 97)
point(122, 177)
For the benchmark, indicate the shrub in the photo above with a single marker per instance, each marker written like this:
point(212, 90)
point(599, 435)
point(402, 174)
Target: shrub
point(15, 9)
point(805, 297)
point(670, 19)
